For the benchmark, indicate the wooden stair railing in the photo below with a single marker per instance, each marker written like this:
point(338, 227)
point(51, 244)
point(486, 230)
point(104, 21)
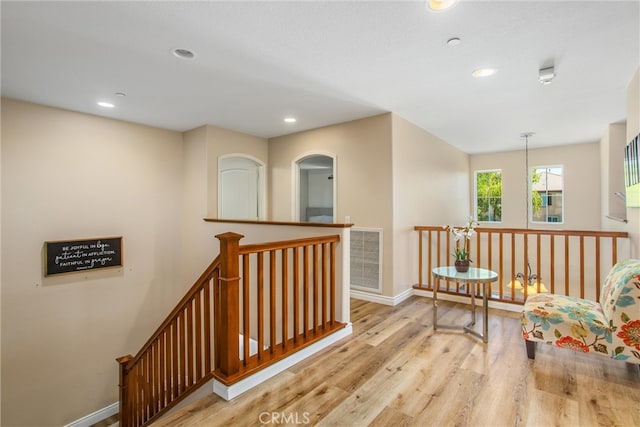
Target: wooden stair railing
point(200, 339)
point(569, 262)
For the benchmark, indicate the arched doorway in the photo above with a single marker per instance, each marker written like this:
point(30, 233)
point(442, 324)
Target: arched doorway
point(314, 192)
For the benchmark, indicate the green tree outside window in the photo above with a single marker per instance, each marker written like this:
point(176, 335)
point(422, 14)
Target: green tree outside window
point(489, 196)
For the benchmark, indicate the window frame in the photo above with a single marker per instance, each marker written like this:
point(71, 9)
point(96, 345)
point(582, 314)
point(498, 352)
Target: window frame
point(549, 202)
point(475, 195)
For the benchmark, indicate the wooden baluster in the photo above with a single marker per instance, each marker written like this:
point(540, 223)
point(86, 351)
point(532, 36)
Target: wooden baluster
point(147, 386)
point(332, 285)
point(501, 264)
point(272, 301)
point(136, 391)
point(189, 346)
point(198, 337)
point(489, 249)
point(175, 343)
point(429, 256)
point(305, 289)
point(284, 254)
point(538, 260)
point(582, 267)
point(478, 251)
point(566, 264)
point(597, 268)
point(513, 266)
point(315, 287)
point(296, 294)
point(260, 256)
point(420, 257)
point(246, 308)
point(217, 320)
point(157, 378)
point(207, 328)
point(552, 257)
point(181, 352)
point(525, 270)
point(614, 251)
point(324, 265)
point(170, 363)
point(439, 241)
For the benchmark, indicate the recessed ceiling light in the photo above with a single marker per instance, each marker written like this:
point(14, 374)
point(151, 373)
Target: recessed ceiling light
point(183, 53)
point(439, 5)
point(290, 119)
point(484, 72)
point(454, 41)
point(106, 104)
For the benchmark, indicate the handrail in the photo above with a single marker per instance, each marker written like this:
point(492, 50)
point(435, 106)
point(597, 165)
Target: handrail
point(197, 286)
point(199, 339)
point(536, 252)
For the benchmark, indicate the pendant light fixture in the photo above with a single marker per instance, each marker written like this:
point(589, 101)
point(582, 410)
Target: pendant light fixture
point(532, 281)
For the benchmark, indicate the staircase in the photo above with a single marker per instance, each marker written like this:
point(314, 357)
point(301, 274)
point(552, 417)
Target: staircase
point(253, 306)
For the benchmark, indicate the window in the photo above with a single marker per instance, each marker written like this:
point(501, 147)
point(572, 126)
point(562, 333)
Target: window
point(547, 194)
point(489, 196)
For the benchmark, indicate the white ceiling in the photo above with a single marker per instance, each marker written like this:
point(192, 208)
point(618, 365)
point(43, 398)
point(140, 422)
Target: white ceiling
point(330, 62)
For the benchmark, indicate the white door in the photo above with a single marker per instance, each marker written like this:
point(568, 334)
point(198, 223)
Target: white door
point(239, 189)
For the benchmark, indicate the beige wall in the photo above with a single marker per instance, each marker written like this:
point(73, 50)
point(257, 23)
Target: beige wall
point(430, 187)
point(633, 128)
point(65, 176)
point(612, 176)
point(198, 243)
point(362, 170)
point(581, 164)
point(220, 142)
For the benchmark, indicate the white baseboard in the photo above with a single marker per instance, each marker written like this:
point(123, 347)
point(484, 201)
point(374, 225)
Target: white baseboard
point(229, 392)
point(96, 416)
point(381, 299)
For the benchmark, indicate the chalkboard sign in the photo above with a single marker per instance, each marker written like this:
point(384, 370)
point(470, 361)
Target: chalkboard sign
point(81, 255)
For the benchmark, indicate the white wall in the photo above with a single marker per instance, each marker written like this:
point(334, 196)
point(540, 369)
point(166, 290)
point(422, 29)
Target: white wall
point(70, 176)
point(320, 192)
point(612, 176)
point(581, 164)
point(430, 187)
point(633, 128)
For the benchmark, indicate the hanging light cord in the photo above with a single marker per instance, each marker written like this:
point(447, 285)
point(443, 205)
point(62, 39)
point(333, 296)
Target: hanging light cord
point(526, 176)
point(526, 136)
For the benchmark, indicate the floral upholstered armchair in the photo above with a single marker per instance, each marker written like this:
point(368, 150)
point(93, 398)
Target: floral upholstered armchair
point(610, 327)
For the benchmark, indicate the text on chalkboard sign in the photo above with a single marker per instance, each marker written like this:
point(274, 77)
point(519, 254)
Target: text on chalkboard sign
point(81, 255)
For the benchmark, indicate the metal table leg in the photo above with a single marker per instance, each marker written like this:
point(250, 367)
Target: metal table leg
point(435, 303)
point(485, 314)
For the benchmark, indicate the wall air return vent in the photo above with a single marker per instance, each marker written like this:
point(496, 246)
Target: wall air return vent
point(366, 259)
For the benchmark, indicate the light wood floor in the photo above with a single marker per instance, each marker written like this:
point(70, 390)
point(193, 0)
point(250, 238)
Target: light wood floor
point(395, 371)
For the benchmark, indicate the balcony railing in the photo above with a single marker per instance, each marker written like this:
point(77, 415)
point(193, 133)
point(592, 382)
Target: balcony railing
point(527, 261)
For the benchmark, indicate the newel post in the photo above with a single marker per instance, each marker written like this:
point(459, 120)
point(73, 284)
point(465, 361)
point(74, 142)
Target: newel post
point(229, 331)
point(123, 410)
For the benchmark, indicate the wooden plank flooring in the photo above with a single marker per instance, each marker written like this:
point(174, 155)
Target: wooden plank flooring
point(395, 371)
